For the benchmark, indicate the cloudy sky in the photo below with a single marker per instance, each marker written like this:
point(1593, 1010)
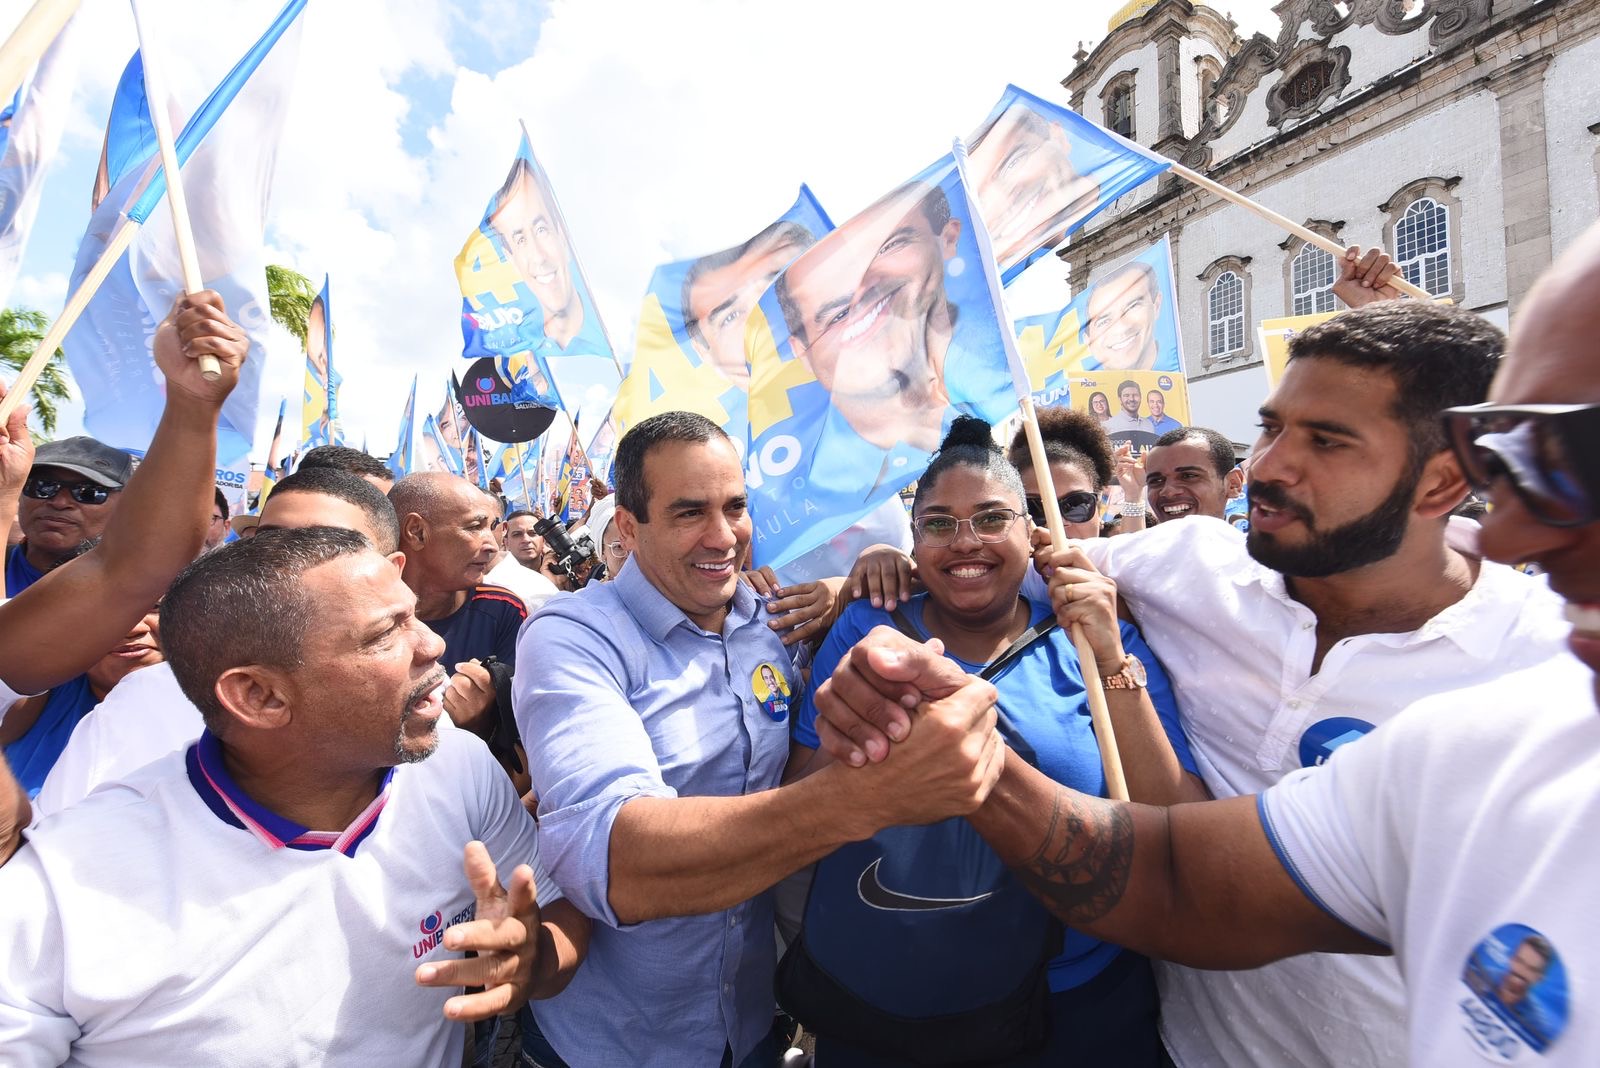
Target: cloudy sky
point(670, 129)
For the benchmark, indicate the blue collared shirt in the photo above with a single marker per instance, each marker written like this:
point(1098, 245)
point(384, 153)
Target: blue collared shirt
point(1160, 426)
point(619, 695)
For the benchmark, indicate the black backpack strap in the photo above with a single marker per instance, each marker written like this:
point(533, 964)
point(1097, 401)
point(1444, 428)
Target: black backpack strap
point(1012, 736)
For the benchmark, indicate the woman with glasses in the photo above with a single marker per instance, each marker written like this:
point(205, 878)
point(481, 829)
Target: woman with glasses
point(970, 536)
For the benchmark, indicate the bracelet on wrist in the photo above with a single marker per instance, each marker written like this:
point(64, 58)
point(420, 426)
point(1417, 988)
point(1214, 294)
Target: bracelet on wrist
point(1133, 508)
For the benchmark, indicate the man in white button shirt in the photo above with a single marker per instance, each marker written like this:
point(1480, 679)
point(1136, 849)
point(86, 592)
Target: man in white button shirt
point(1346, 603)
point(1459, 836)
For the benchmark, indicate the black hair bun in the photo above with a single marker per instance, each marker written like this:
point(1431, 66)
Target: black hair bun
point(969, 430)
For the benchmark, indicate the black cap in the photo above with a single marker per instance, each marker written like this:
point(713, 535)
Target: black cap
point(95, 461)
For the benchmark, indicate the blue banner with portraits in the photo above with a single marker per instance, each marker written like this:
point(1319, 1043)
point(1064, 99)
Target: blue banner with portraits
point(1040, 171)
point(689, 351)
point(861, 354)
point(525, 301)
point(1126, 319)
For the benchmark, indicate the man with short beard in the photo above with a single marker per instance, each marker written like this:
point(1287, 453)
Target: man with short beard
point(1349, 599)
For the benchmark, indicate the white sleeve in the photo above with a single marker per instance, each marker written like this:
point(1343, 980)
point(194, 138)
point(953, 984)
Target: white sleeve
point(35, 1030)
point(506, 829)
point(1335, 828)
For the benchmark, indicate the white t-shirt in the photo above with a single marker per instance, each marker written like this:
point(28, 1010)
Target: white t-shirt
point(142, 719)
point(532, 587)
point(1464, 834)
point(1239, 649)
point(139, 928)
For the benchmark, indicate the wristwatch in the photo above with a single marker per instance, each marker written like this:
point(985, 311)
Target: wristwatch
point(1131, 677)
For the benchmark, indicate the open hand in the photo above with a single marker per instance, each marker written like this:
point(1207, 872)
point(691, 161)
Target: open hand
point(505, 935)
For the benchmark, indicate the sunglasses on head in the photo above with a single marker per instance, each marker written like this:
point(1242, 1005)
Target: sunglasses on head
point(43, 489)
point(1550, 453)
point(1079, 506)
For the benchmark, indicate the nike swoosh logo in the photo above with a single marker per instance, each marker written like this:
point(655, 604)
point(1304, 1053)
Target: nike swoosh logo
point(878, 896)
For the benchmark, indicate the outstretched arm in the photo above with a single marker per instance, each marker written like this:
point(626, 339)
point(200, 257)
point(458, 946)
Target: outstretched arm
point(1198, 884)
point(66, 621)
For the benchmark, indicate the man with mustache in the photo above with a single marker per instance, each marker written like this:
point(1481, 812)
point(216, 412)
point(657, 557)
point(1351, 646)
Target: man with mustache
point(658, 765)
point(323, 781)
point(1352, 597)
point(447, 533)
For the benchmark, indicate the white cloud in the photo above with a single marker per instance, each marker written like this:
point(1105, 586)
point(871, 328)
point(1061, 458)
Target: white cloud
point(669, 130)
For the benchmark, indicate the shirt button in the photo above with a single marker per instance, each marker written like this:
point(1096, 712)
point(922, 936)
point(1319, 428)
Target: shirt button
point(727, 988)
point(1294, 704)
point(1307, 626)
point(733, 921)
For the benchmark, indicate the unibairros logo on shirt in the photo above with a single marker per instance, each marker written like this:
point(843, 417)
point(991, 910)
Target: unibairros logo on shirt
point(433, 927)
point(1516, 994)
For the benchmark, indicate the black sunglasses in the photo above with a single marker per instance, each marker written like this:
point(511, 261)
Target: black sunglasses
point(42, 489)
point(1079, 506)
point(1550, 453)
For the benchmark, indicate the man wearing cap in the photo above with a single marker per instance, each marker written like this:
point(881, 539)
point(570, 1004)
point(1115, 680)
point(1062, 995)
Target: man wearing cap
point(67, 500)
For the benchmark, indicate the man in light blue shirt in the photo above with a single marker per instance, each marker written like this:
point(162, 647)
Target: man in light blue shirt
point(657, 766)
point(1158, 422)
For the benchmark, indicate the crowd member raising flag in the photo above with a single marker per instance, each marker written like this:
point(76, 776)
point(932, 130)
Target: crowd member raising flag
point(30, 129)
point(108, 349)
point(1041, 171)
point(689, 352)
point(524, 300)
point(401, 460)
point(861, 353)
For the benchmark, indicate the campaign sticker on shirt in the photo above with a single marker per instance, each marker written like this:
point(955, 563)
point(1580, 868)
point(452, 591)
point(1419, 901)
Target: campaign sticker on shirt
point(1516, 994)
point(1324, 736)
point(772, 690)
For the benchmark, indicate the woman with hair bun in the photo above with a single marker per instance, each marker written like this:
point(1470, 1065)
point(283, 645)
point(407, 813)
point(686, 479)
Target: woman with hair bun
point(970, 532)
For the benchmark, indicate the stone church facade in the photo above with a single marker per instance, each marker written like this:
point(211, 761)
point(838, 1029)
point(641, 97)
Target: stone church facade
point(1461, 135)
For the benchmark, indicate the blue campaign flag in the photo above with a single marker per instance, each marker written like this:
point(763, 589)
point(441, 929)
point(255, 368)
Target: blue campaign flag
point(861, 353)
point(689, 349)
point(109, 350)
point(30, 131)
point(525, 302)
point(440, 456)
point(319, 409)
point(402, 459)
point(130, 140)
point(1040, 171)
point(1126, 320)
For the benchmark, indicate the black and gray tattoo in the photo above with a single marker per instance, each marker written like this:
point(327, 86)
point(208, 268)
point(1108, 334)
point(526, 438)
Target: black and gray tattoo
point(1080, 870)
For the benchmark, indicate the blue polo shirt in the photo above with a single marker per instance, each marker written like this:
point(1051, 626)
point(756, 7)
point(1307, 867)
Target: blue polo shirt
point(1042, 695)
point(33, 755)
point(621, 696)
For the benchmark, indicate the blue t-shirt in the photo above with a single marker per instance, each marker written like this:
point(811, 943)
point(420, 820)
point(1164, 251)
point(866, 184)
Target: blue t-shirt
point(1042, 695)
point(33, 755)
point(20, 574)
point(485, 625)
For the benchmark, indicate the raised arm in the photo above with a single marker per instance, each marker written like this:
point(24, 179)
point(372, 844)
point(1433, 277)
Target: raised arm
point(66, 621)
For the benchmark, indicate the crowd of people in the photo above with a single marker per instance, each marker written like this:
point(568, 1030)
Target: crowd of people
point(400, 762)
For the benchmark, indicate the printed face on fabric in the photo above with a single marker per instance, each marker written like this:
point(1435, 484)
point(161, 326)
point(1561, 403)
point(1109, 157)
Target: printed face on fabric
point(530, 230)
point(868, 311)
point(720, 300)
point(368, 683)
point(1331, 476)
point(1122, 314)
point(697, 529)
point(1027, 187)
point(972, 579)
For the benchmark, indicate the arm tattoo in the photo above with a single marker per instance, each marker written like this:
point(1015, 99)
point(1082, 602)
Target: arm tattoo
point(1080, 869)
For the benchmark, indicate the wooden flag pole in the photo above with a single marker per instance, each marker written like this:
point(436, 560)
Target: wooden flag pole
point(69, 315)
point(1099, 714)
point(161, 119)
point(1311, 237)
point(29, 40)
